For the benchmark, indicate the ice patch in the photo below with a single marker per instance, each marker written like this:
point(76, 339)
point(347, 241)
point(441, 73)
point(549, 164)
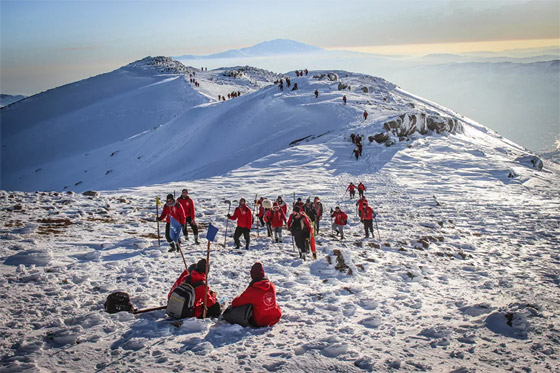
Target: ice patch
point(371, 322)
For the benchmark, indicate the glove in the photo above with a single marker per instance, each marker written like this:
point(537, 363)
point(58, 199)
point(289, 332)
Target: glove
point(158, 219)
point(361, 220)
point(332, 210)
point(374, 214)
point(228, 216)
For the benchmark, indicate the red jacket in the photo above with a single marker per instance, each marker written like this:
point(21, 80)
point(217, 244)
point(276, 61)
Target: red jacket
point(196, 277)
point(340, 218)
point(179, 281)
point(244, 217)
point(262, 295)
point(175, 210)
point(304, 219)
point(276, 218)
point(366, 213)
point(360, 203)
point(361, 187)
point(283, 207)
point(188, 206)
point(318, 209)
point(351, 187)
point(261, 208)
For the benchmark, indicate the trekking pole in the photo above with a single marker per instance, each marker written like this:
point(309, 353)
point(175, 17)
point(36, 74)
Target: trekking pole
point(157, 221)
point(136, 312)
point(206, 284)
point(255, 212)
point(375, 218)
point(181, 251)
point(227, 220)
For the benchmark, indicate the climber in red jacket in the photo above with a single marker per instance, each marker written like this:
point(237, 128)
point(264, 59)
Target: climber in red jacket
point(188, 205)
point(174, 209)
point(197, 278)
point(276, 218)
point(361, 189)
point(261, 293)
point(352, 189)
point(366, 217)
point(244, 217)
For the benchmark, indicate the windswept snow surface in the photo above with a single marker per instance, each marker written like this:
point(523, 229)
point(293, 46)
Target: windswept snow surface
point(465, 277)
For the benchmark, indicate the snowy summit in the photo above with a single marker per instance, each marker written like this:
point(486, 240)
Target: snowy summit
point(461, 273)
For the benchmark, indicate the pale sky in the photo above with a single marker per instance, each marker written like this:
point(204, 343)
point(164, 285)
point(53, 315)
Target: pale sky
point(46, 43)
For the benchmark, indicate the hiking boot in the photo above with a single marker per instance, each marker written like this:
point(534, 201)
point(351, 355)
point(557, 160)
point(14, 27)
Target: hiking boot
point(247, 247)
point(236, 247)
point(314, 255)
point(277, 240)
point(172, 247)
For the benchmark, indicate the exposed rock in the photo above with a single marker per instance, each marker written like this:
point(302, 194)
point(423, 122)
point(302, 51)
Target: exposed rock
point(91, 193)
point(381, 137)
point(364, 89)
point(332, 77)
point(531, 161)
point(342, 86)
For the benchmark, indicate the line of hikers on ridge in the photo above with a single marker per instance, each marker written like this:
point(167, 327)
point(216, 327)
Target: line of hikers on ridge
point(303, 223)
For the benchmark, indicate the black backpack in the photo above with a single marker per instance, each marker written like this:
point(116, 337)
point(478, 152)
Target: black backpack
point(181, 302)
point(118, 301)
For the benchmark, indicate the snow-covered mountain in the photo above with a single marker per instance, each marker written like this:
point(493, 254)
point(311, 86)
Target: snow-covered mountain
point(264, 49)
point(9, 99)
point(462, 275)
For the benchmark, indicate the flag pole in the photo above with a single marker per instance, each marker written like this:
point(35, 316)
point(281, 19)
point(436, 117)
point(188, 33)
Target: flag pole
point(181, 251)
point(204, 309)
point(157, 221)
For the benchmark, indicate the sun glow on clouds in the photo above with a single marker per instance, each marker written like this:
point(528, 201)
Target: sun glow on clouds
point(459, 47)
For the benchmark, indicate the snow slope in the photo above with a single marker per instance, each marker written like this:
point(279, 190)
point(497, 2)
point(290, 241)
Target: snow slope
point(9, 99)
point(464, 278)
point(92, 113)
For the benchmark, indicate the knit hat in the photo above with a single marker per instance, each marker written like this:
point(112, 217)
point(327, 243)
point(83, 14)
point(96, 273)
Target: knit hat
point(296, 209)
point(257, 271)
point(170, 196)
point(201, 266)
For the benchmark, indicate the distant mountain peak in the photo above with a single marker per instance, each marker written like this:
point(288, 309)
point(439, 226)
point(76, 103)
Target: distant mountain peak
point(266, 48)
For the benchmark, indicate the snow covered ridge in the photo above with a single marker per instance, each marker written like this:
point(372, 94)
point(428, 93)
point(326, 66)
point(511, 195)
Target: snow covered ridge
point(162, 64)
point(154, 113)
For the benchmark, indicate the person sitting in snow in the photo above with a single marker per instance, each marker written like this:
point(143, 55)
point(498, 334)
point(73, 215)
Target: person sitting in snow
point(340, 220)
point(188, 206)
point(276, 219)
point(261, 294)
point(300, 227)
point(244, 217)
point(174, 209)
point(196, 276)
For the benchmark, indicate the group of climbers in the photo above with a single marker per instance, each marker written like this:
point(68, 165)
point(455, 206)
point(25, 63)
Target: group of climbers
point(357, 140)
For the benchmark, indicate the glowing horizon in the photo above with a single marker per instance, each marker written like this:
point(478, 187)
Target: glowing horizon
point(455, 47)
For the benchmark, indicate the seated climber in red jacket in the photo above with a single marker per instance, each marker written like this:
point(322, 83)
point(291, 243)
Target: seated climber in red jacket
point(261, 293)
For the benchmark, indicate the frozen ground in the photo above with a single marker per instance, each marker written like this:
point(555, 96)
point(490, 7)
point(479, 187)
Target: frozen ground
point(465, 277)
point(489, 255)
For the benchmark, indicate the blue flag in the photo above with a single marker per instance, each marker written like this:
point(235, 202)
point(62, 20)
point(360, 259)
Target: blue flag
point(212, 231)
point(174, 229)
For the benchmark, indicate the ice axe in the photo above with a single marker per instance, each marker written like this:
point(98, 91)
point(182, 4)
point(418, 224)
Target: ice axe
point(227, 220)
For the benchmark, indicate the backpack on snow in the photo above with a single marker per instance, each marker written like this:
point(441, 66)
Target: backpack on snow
point(118, 301)
point(181, 302)
point(241, 315)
